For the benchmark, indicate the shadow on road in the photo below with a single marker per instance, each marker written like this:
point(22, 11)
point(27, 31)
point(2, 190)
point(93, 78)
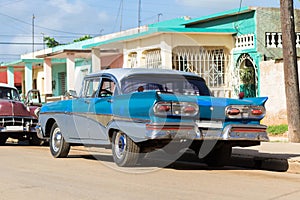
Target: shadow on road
point(243, 158)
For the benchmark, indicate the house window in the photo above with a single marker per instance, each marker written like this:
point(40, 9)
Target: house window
point(210, 63)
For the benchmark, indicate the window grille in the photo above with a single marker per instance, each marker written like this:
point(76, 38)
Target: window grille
point(210, 64)
point(153, 58)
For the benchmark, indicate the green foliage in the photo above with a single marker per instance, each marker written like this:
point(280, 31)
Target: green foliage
point(247, 75)
point(50, 42)
point(277, 129)
point(85, 37)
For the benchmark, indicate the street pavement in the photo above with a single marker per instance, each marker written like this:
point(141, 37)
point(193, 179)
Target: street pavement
point(276, 155)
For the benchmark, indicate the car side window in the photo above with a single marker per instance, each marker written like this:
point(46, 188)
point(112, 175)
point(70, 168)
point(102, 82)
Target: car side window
point(107, 87)
point(91, 87)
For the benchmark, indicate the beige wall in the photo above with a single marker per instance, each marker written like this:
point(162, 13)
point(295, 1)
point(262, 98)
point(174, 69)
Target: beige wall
point(175, 40)
point(272, 86)
point(38, 74)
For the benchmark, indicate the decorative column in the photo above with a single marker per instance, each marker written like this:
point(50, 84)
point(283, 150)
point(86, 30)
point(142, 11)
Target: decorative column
point(47, 77)
point(166, 52)
point(96, 60)
point(28, 76)
point(10, 76)
point(139, 56)
point(70, 71)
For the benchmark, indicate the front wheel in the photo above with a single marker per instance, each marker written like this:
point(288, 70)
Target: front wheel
point(125, 151)
point(58, 146)
point(3, 139)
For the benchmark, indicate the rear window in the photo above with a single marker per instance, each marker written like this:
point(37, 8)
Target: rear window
point(177, 84)
point(9, 93)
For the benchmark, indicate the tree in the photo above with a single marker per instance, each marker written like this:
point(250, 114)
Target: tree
point(290, 69)
point(50, 42)
point(85, 37)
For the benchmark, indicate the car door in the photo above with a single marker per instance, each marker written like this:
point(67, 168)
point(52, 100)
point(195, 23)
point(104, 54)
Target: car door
point(101, 110)
point(81, 116)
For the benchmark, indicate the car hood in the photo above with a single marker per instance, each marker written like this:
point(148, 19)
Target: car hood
point(13, 108)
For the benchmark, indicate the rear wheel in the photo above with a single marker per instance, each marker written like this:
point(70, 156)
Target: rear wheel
point(3, 139)
point(219, 156)
point(58, 146)
point(125, 151)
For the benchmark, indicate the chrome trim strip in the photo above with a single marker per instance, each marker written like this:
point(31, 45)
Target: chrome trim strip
point(209, 124)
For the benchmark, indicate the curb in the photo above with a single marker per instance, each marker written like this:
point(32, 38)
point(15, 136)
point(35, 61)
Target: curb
point(266, 163)
point(294, 166)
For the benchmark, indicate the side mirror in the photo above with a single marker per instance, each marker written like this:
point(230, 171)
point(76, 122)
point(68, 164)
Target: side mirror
point(71, 93)
point(33, 98)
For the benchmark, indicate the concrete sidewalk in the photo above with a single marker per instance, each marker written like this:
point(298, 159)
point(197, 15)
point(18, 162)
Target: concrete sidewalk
point(276, 155)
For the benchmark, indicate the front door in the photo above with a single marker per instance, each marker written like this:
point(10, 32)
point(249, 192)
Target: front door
point(81, 116)
point(101, 111)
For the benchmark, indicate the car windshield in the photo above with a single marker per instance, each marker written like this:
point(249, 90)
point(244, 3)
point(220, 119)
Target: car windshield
point(9, 93)
point(171, 83)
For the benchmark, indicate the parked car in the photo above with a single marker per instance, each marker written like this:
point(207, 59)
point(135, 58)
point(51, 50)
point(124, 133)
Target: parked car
point(18, 119)
point(140, 110)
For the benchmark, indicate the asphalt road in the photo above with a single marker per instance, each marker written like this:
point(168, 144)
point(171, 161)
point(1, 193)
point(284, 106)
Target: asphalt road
point(29, 172)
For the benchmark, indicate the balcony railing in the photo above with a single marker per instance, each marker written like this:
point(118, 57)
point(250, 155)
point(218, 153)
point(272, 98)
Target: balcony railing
point(274, 39)
point(244, 41)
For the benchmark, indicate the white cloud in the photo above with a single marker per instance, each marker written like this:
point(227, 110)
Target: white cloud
point(103, 16)
point(65, 6)
point(209, 4)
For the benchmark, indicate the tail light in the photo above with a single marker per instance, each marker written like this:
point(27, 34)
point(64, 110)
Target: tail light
point(163, 107)
point(233, 111)
point(256, 111)
point(176, 108)
point(245, 112)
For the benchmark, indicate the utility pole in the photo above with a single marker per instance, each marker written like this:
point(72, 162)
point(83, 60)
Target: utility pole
point(290, 69)
point(139, 14)
point(33, 17)
point(121, 17)
point(158, 15)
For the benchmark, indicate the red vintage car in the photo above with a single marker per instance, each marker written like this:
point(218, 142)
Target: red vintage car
point(17, 118)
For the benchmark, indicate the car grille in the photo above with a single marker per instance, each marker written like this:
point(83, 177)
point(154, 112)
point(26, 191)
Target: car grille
point(17, 121)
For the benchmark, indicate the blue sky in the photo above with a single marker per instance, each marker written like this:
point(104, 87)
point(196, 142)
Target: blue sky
point(66, 20)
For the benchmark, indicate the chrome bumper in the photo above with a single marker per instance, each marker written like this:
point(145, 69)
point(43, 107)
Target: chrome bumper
point(238, 132)
point(229, 133)
point(39, 132)
point(17, 129)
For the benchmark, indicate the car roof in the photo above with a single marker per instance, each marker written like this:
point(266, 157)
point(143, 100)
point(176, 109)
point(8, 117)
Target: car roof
point(7, 86)
point(120, 73)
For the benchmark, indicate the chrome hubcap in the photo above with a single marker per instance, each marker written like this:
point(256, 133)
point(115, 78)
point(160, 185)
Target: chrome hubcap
point(56, 140)
point(120, 145)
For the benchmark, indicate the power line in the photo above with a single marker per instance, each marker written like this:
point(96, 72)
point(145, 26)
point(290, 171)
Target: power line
point(24, 22)
point(21, 43)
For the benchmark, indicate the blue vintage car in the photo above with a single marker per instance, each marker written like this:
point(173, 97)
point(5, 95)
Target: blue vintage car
point(137, 111)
